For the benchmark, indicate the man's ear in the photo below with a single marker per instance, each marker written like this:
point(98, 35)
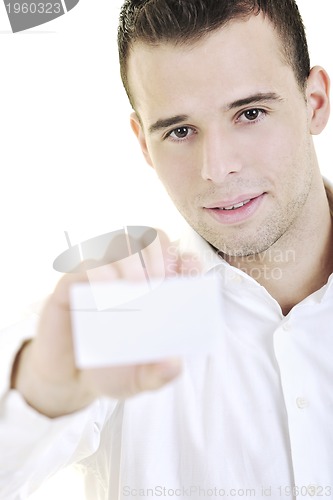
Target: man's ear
point(317, 93)
point(138, 131)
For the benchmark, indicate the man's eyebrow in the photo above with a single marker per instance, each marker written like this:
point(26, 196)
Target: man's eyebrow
point(255, 98)
point(167, 122)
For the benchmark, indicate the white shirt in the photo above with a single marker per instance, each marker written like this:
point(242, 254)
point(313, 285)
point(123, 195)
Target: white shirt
point(252, 420)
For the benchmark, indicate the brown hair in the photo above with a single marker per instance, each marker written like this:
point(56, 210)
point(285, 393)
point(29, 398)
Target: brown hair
point(186, 21)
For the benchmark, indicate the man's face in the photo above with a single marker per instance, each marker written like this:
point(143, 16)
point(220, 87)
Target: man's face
point(226, 127)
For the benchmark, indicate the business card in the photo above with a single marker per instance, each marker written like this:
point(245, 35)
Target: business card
point(180, 317)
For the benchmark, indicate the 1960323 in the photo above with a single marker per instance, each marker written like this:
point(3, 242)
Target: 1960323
point(311, 490)
point(34, 8)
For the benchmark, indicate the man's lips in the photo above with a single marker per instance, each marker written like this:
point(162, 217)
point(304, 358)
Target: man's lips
point(235, 203)
point(236, 211)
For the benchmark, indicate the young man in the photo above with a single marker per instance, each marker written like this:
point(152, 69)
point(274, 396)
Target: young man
point(225, 106)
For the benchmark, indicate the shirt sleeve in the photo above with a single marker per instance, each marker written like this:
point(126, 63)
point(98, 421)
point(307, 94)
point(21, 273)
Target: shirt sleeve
point(34, 447)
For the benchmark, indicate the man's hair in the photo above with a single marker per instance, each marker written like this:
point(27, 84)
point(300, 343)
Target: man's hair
point(186, 21)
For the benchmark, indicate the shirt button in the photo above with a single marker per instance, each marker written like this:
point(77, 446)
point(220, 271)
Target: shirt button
point(286, 327)
point(96, 428)
point(237, 279)
point(302, 403)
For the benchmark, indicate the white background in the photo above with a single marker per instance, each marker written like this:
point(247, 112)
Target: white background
point(69, 161)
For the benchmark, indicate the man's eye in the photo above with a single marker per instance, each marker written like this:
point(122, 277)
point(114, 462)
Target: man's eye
point(252, 115)
point(180, 133)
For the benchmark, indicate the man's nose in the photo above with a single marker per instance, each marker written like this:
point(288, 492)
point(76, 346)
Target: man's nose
point(220, 156)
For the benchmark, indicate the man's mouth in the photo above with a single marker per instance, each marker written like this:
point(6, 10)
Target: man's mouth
point(237, 210)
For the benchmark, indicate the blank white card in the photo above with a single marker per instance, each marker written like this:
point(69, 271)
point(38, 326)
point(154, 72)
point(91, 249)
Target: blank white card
point(179, 318)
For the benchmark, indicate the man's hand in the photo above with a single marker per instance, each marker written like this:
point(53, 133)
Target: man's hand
point(45, 371)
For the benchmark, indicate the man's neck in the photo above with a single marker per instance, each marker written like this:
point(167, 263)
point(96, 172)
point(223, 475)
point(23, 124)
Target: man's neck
point(299, 263)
